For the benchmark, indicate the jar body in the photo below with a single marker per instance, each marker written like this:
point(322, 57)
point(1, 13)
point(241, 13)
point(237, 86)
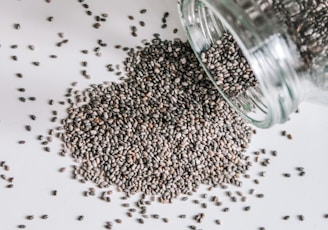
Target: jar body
point(284, 44)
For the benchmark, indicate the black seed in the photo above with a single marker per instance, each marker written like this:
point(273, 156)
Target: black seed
point(47, 149)
point(14, 57)
point(164, 26)
point(13, 46)
point(17, 26)
point(50, 18)
point(21, 142)
point(143, 11)
point(301, 217)
point(130, 17)
point(54, 193)
point(85, 5)
point(53, 56)
point(19, 75)
point(21, 226)
point(9, 186)
point(32, 98)
point(260, 195)
point(141, 221)
point(134, 34)
point(289, 136)
point(283, 133)
point(285, 217)
point(80, 218)
point(88, 12)
point(142, 23)
point(36, 63)
point(301, 174)
point(247, 208)
point(166, 14)
point(325, 216)
point(175, 30)
point(119, 221)
point(28, 128)
point(21, 89)
point(31, 47)
point(165, 220)
point(286, 174)
point(96, 25)
point(44, 217)
point(51, 102)
point(30, 217)
point(33, 117)
point(134, 28)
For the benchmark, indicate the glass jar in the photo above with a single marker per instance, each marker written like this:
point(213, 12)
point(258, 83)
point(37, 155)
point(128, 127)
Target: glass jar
point(284, 42)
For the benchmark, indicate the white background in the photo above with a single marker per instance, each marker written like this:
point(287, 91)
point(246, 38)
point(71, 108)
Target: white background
point(36, 171)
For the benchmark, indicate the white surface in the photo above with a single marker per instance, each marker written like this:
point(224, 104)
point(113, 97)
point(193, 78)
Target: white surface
point(36, 171)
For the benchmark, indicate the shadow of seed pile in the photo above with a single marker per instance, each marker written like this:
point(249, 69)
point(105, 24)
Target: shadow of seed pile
point(163, 130)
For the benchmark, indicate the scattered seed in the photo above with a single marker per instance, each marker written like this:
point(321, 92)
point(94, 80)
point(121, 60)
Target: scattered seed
point(119, 221)
point(17, 26)
point(247, 208)
point(30, 217)
point(22, 99)
point(143, 11)
point(301, 217)
point(260, 195)
point(182, 216)
point(142, 23)
point(44, 217)
point(301, 174)
point(165, 220)
point(285, 217)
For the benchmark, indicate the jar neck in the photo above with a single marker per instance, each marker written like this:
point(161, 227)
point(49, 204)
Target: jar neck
point(272, 56)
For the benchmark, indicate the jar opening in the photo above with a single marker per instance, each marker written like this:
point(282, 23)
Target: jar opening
point(208, 30)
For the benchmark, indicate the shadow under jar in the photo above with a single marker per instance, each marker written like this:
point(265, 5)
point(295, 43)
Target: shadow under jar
point(263, 56)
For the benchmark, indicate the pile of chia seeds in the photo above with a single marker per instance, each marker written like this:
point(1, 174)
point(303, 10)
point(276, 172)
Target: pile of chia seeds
point(163, 131)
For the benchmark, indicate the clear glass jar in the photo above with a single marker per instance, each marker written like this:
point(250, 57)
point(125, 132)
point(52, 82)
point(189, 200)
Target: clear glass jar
point(285, 44)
